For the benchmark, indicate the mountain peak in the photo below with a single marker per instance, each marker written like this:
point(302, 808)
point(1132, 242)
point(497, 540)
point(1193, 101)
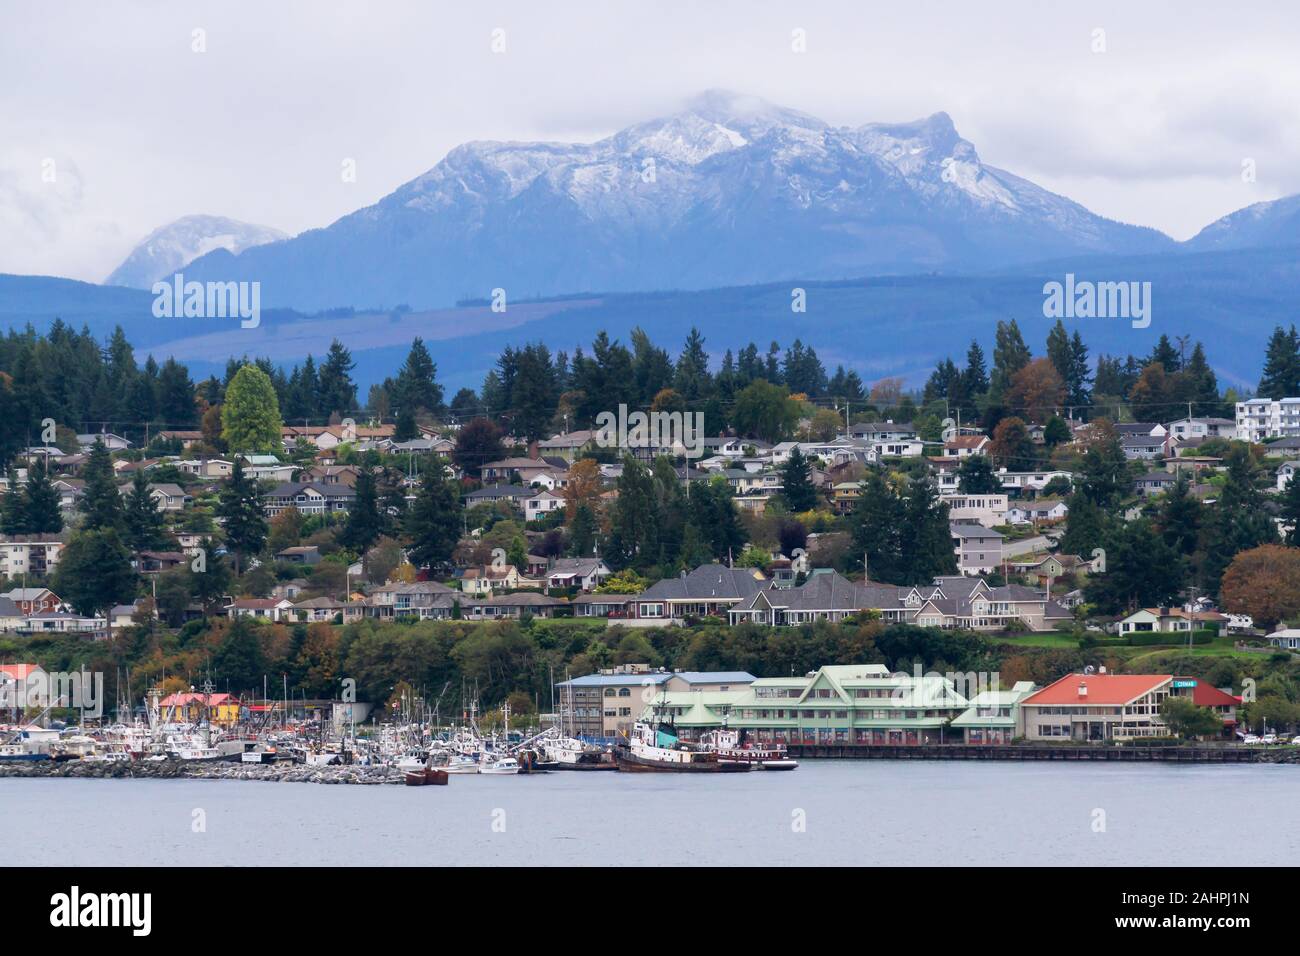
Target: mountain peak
point(173, 246)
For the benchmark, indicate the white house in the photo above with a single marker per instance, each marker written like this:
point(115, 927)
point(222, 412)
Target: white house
point(987, 510)
point(542, 504)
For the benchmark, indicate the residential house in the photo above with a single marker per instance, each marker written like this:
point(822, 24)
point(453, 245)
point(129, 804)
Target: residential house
point(486, 579)
point(1287, 639)
point(420, 599)
point(710, 589)
point(1154, 483)
point(1144, 447)
point(1040, 511)
point(585, 574)
point(310, 498)
point(613, 606)
point(1171, 620)
point(207, 467)
point(515, 495)
point(33, 600)
point(300, 554)
point(111, 442)
point(541, 504)
point(515, 606)
point(568, 445)
point(270, 609)
point(1193, 428)
point(325, 610)
point(963, 446)
point(155, 562)
point(987, 510)
point(979, 549)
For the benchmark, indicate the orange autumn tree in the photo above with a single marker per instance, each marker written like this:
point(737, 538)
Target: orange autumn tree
point(583, 488)
point(1036, 391)
point(1263, 582)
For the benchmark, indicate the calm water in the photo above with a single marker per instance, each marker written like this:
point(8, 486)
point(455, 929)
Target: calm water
point(872, 813)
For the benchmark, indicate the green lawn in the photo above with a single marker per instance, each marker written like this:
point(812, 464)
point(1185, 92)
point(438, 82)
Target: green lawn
point(1219, 647)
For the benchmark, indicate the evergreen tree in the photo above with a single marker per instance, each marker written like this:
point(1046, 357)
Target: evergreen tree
point(364, 524)
point(926, 548)
point(144, 525)
point(975, 377)
point(433, 523)
point(94, 571)
point(713, 512)
point(13, 515)
point(692, 375)
point(1141, 570)
point(582, 532)
point(338, 393)
point(407, 429)
point(41, 512)
point(240, 504)
point(975, 476)
point(796, 483)
point(876, 525)
point(416, 387)
point(100, 501)
point(1281, 376)
point(1290, 512)
point(1179, 518)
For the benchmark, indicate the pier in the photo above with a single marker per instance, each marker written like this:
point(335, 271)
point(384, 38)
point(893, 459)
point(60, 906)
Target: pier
point(1123, 754)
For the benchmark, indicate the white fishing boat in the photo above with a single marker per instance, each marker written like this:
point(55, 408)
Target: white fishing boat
point(504, 765)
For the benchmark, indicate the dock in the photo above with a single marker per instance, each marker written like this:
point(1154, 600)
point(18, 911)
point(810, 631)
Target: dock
point(1122, 754)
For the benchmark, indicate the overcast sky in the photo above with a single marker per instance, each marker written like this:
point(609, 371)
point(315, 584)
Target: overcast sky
point(141, 129)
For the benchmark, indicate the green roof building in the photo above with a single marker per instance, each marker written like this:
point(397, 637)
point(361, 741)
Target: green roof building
point(839, 704)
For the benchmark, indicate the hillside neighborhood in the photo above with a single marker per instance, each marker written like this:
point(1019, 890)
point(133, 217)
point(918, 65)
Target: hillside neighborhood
point(835, 505)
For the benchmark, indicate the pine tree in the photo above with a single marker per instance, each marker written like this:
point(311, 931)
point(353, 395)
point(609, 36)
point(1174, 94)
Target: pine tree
point(433, 523)
point(1281, 376)
point(364, 524)
point(876, 525)
point(796, 483)
point(582, 532)
point(926, 547)
point(94, 571)
point(100, 501)
point(240, 505)
point(13, 515)
point(40, 504)
point(1290, 512)
point(338, 393)
point(416, 387)
point(975, 476)
point(144, 522)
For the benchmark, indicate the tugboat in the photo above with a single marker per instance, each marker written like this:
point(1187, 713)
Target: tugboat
point(658, 749)
point(732, 747)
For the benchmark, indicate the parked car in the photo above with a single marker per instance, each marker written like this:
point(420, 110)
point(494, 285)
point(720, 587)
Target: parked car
point(1268, 739)
point(1296, 741)
point(1250, 739)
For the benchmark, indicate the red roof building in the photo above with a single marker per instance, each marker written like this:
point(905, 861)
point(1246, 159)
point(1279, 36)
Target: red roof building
point(1096, 707)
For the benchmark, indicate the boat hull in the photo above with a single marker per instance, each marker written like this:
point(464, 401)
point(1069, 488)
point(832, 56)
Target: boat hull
point(631, 763)
point(426, 778)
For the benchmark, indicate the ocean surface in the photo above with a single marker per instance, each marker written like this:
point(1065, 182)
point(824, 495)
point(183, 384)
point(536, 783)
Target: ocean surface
point(868, 813)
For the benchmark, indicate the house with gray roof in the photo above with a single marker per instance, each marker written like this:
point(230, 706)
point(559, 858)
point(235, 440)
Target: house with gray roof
point(709, 589)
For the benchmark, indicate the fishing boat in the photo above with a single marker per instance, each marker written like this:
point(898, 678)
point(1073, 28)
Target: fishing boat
point(426, 776)
point(503, 765)
point(569, 753)
point(657, 749)
point(16, 753)
point(732, 747)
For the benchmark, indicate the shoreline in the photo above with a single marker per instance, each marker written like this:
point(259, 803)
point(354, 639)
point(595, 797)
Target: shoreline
point(351, 774)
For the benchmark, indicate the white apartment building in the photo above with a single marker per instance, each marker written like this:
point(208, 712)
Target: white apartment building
point(28, 554)
point(1261, 418)
point(987, 510)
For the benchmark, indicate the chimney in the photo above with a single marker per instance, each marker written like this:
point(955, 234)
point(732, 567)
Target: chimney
point(1083, 690)
point(1101, 669)
point(532, 449)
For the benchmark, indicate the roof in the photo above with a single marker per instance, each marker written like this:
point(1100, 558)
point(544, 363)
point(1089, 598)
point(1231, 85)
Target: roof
point(707, 582)
point(618, 680)
point(1104, 689)
point(19, 671)
point(1206, 695)
point(716, 677)
point(181, 699)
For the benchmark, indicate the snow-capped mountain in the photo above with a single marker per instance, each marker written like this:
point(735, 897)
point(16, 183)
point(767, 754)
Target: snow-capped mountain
point(175, 245)
point(730, 190)
point(1275, 223)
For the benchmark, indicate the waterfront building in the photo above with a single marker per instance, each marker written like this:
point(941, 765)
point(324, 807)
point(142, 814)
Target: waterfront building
point(992, 715)
point(857, 704)
point(711, 589)
point(607, 704)
point(1096, 707)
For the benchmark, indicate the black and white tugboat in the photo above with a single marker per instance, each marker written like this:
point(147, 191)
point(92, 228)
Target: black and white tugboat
point(656, 748)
